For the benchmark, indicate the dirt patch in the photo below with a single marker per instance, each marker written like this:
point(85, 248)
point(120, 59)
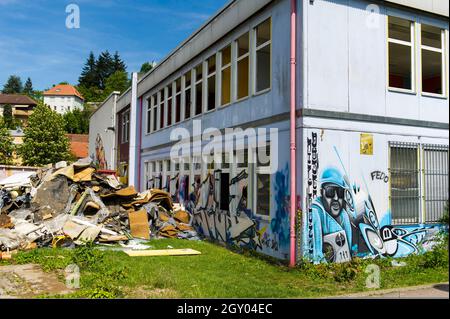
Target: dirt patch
point(145, 292)
point(27, 281)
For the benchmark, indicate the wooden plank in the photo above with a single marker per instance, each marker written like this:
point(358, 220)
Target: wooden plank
point(139, 224)
point(162, 252)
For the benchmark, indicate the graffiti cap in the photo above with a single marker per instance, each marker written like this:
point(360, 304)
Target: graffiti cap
point(333, 176)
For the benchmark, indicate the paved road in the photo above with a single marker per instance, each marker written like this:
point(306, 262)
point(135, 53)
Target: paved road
point(439, 291)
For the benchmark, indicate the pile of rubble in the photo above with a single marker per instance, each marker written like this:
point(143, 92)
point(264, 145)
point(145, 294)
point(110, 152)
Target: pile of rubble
point(70, 205)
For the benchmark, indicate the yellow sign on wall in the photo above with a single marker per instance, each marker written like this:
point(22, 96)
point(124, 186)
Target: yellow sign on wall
point(366, 144)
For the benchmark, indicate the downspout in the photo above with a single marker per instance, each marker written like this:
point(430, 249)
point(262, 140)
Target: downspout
point(139, 144)
point(293, 175)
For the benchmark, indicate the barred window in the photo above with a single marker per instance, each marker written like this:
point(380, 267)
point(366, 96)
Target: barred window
point(435, 160)
point(404, 177)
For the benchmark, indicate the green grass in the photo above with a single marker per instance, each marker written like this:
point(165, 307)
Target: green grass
point(221, 273)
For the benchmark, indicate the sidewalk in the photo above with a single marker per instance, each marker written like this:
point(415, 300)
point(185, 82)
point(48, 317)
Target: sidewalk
point(434, 291)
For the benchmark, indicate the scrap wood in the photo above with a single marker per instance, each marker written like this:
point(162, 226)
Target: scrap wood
point(124, 192)
point(162, 252)
point(139, 224)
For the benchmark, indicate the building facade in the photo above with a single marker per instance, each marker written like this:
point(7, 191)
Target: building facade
point(371, 125)
point(102, 134)
point(63, 98)
point(22, 106)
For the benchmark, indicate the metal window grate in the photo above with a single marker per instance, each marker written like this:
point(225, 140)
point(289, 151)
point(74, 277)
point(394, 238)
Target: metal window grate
point(404, 183)
point(435, 172)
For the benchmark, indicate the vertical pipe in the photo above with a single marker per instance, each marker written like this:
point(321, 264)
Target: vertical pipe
point(139, 144)
point(293, 175)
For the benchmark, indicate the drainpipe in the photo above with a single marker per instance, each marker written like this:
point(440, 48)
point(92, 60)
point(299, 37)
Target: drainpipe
point(139, 145)
point(134, 112)
point(293, 175)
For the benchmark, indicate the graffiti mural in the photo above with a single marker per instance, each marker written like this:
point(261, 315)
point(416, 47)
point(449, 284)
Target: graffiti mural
point(100, 156)
point(342, 221)
point(235, 226)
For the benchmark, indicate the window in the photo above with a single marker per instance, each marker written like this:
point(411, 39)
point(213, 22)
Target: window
point(198, 89)
point(401, 53)
point(149, 174)
point(263, 55)
point(243, 65)
point(211, 83)
point(226, 75)
point(125, 126)
point(187, 95)
point(169, 104)
point(418, 192)
point(157, 175)
point(432, 48)
point(149, 115)
point(154, 112)
point(161, 109)
point(262, 181)
point(177, 100)
point(404, 179)
point(435, 161)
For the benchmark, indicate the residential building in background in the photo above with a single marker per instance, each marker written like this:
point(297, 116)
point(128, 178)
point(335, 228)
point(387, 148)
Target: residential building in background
point(367, 102)
point(22, 106)
point(63, 98)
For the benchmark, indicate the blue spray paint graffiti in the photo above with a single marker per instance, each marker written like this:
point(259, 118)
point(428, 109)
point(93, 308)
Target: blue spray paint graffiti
point(342, 223)
point(280, 223)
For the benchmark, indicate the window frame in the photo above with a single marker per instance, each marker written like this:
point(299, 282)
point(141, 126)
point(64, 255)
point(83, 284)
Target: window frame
point(208, 76)
point(442, 51)
point(195, 83)
point(239, 59)
point(125, 138)
point(257, 169)
point(254, 51)
point(412, 45)
point(222, 68)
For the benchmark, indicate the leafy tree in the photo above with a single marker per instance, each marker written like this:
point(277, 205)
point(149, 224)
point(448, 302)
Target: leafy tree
point(91, 94)
point(145, 67)
point(8, 119)
point(118, 81)
point(13, 85)
point(77, 121)
point(28, 88)
point(45, 141)
point(6, 145)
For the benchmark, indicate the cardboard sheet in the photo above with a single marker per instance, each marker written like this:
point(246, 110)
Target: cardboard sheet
point(139, 224)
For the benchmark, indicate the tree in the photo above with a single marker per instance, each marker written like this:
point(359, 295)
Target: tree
point(6, 145)
point(77, 121)
point(28, 88)
point(13, 85)
point(105, 67)
point(44, 140)
point(118, 81)
point(88, 77)
point(8, 119)
point(145, 67)
point(118, 63)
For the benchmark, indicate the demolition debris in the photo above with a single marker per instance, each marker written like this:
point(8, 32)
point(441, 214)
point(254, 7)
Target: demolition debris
point(69, 205)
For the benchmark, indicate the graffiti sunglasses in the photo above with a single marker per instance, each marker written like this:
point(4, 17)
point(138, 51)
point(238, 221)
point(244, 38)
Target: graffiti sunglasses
point(331, 191)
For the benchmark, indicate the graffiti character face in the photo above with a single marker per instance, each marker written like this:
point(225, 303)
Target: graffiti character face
point(333, 198)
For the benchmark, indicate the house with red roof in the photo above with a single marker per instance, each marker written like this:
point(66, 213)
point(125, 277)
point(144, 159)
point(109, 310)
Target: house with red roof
point(63, 98)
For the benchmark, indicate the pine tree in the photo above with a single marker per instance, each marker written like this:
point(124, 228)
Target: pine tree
point(105, 68)
point(28, 88)
point(6, 145)
point(13, 85)
point(119, 64)
point(89, 77)
point(145, 67)
point(45, 141)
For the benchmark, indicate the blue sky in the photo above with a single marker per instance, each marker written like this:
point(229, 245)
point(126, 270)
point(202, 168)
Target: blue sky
point(35, 43)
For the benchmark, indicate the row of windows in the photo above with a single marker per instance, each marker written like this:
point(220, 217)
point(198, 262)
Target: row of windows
point(231, 74)
point(402, 35)
point(418, 182)
point(256, 195)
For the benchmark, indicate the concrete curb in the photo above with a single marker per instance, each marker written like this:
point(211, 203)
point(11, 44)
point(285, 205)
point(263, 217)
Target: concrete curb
point(387, 291)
